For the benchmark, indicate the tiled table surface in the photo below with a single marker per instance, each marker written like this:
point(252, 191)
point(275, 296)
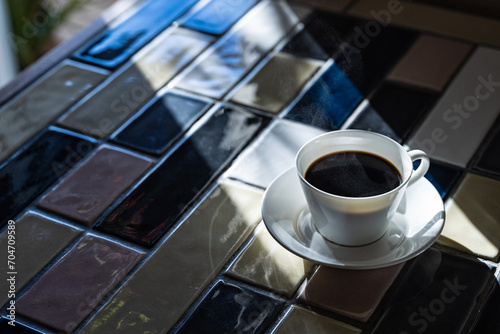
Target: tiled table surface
point(134, 170)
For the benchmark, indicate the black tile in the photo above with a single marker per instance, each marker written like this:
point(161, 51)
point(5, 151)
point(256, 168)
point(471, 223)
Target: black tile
point(17, 328)
point(161, 123)
point(395, 110)
point(27, 175)
point(118, 43)
point(328, 102)
point(488, 320)
point(304, 45)
point(367, 58)
point(158, 201)
point(488, 160)
point(229, 308)
point(437, 295)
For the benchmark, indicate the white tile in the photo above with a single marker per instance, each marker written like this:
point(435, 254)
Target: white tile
point(458, 123)
point(272, 153)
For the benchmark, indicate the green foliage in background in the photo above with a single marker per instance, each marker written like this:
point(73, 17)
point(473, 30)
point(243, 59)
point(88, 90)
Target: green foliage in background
point(33, 22)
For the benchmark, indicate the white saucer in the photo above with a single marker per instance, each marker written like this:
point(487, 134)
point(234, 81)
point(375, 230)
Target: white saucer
point(414, 228)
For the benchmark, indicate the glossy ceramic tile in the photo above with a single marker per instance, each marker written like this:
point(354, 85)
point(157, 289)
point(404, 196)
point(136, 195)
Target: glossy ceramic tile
point(5, 327)
point(216, 16)
point(442, 177)
point(328, 102)
point(161, 123)
point(119, 42)
point(488, 321)
point(459, 121)
point(302, 321)
point(329, 5)
point(154, 206)
point(163, 288)
point(266, 263)
point(487, 160)
point(94, 185)
point(83, 277)
point(472, 216)
point(431, 62)
point(398, 107)
point(272, 153)
point(38, 166)
point(229, 308)
point(433, 19)
point(365, 117)
point(33, 109)
point(304, 45)
point(277, 83)
point(436, 295)
point(128, 90)
point(239, 50)
point(352, 293)
point(37, 241)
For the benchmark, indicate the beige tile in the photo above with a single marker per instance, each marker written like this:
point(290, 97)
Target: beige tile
point(266, 263)
point(277, 83)
point(427, 18)
point(37, 241)
point(164, 287)
point(302, 321)
point(123, 94)
point(473, 217)
point(35, 107)
point(430, 62)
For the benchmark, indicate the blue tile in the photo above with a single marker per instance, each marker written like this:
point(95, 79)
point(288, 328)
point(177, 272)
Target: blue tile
point(328, 102)
point(436, 295)
point(27, 175)
point(229, 308)
point(218, 15)
point(18, 328)
point(156, 203)
point(118, 43)
point(161, 123)
point(442, 177)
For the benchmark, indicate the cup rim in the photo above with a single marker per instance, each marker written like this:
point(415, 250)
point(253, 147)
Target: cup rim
point(375, 134)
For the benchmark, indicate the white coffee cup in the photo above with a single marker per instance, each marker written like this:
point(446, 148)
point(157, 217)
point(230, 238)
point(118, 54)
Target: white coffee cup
point(356, 221)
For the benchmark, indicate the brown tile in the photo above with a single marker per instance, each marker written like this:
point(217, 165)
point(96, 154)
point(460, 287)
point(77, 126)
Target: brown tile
point(38, 105)
point(353, 293)
point(37, 241)
point(94, 185)
point(69, 291)
point(171, 279)
point(430, 62)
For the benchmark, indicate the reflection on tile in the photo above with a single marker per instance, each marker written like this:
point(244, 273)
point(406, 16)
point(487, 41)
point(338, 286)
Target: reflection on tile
point(216, 16)
point(372, 52)
point(240, 50)
point(85, 193)
point(82, 277)
point(277, 83)
point(6, 327)
point(328, 102)
point(459, 121)
point(159, 200)
point(472, 217)
point(330, 5)
point(38, 105)
point(272, 153)
point(118, 43)
point(430, 62)
point(305, 45)
point(437, 20)
point(266, 263)
point(488, 161)
point(437, 288)
point(162, 123)
point(488, 321)
point(302, 321)
point(229, 308)
point(353, 293)
point(442, 177)
point(163, 288)
point(399, 108)
point(26, 176)
point(38, 241)
point(128, 90)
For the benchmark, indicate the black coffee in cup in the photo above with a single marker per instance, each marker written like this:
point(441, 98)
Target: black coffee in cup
point(353, 174)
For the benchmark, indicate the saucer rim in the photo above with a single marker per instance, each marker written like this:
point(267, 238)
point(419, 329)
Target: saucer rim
point(350, 265)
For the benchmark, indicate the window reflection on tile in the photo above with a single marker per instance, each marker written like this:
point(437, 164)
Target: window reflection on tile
point(266, 263)
point(240, 50)
point(277, 83)
point(472, 216)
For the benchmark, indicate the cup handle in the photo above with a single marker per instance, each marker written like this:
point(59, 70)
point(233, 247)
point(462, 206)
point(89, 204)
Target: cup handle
point(424, 165)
